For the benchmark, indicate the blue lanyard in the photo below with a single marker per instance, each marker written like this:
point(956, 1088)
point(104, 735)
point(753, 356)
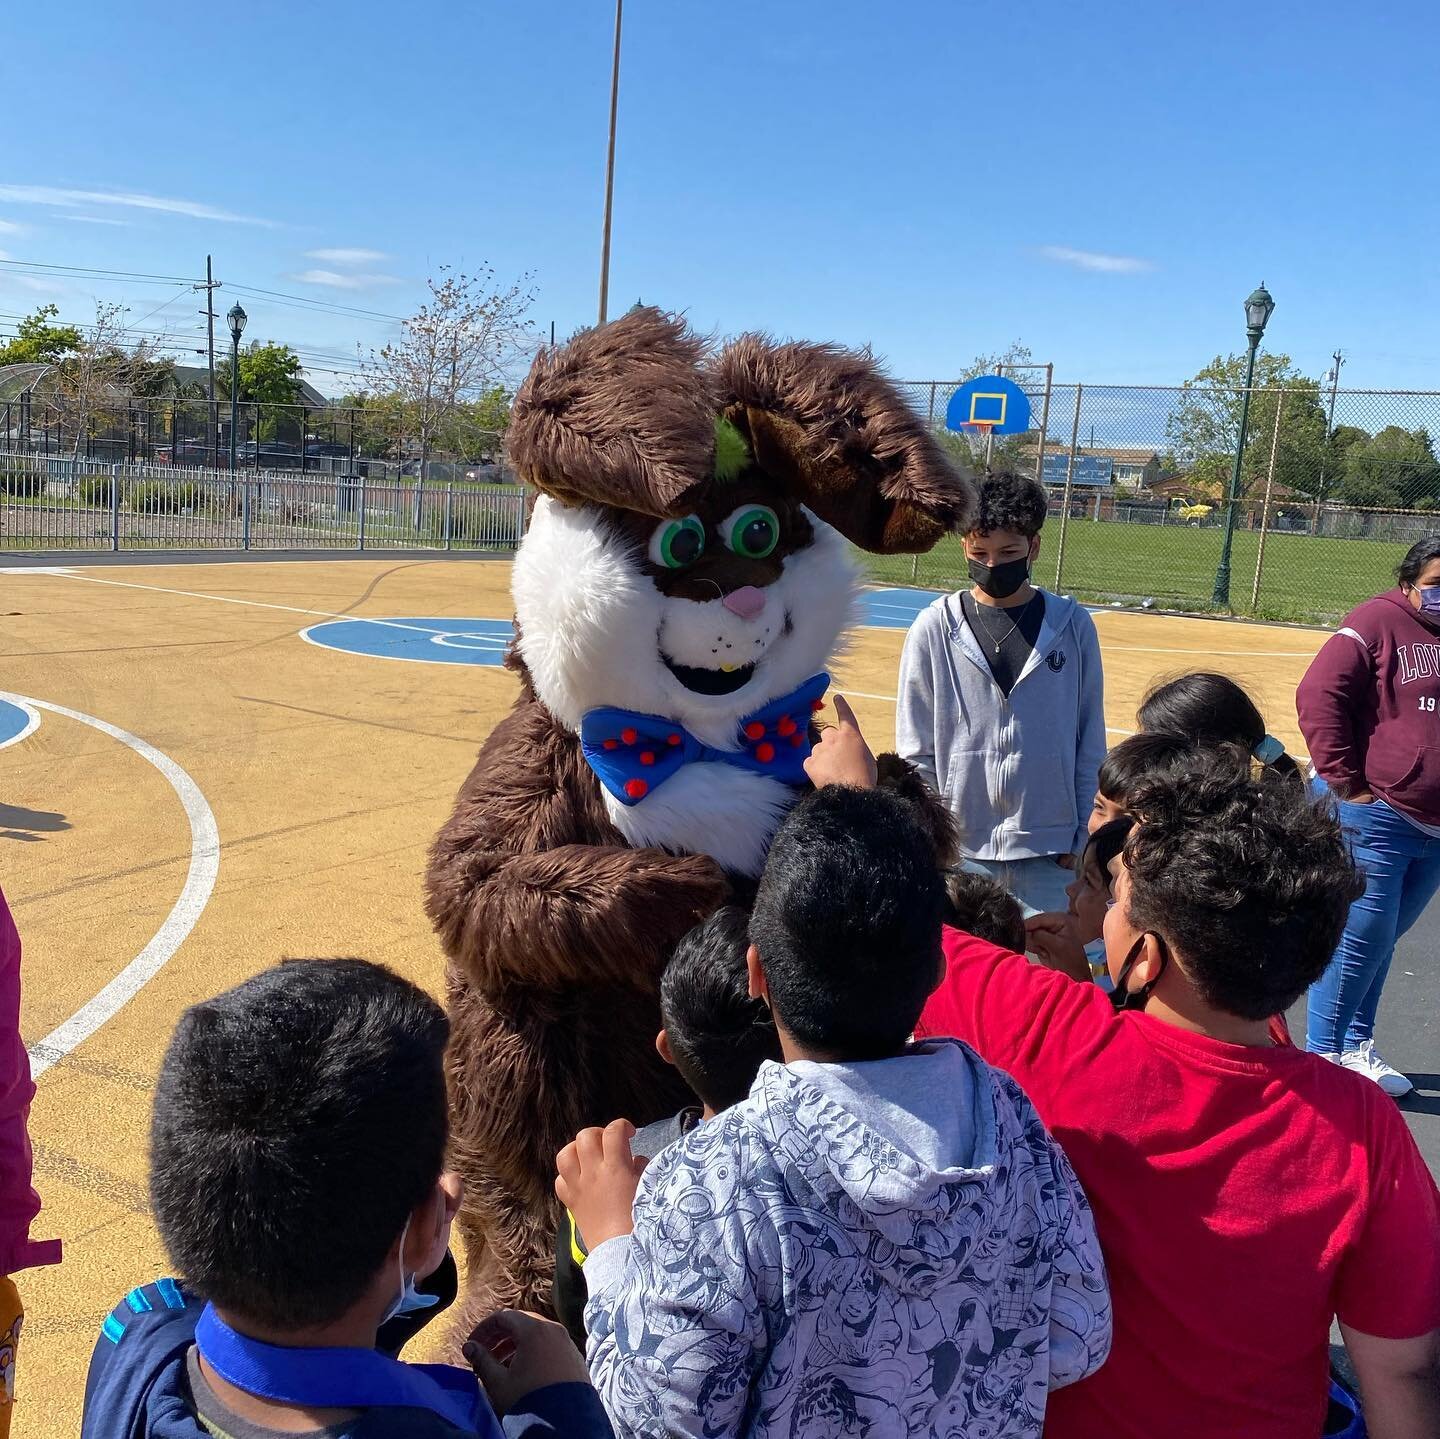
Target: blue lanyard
point(342, 1378)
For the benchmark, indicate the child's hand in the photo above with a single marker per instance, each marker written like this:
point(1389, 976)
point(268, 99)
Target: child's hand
point(515, 1354)
point(842, 756)
point(1053, 940)
point(596, 1180)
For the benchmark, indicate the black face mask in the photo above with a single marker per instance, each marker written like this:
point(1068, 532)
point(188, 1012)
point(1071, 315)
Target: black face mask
point(999, 581)
point(1123, 998)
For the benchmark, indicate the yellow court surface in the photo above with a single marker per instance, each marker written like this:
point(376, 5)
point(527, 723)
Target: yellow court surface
point(204, 789)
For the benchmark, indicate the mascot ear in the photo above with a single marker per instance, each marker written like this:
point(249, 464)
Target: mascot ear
point(826, 422)
point(621, 415)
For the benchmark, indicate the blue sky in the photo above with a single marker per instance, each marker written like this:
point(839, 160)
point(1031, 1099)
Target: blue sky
point(1103, 181)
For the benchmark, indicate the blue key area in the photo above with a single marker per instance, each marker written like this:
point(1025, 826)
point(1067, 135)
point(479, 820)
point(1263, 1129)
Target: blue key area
point(436, 641)
point(13, 722)
point(895, 609)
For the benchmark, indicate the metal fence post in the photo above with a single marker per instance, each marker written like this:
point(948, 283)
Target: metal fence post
point(1265, 510)
point(114, 508)
point(932, 405)
point(1069, 481)
point(364, 484)
point(1044, 426)
point(245, 512)
point(449, 508)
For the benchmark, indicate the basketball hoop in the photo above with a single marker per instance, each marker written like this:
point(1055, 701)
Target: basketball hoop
point(986, 428)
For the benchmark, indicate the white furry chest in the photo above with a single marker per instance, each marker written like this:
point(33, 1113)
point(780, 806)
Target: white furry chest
point(715, 809)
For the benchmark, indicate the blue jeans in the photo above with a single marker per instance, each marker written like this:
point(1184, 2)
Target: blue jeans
point(1039, 884)
point(1402, 873)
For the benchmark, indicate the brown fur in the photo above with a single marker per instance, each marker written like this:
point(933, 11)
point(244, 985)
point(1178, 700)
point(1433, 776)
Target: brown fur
point(555, 929)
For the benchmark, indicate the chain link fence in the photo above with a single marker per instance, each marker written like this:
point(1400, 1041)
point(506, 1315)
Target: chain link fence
point(52, 504)
point(1334, 486)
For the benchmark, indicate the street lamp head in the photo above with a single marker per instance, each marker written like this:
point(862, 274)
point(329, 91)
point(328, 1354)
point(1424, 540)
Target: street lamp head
point(1258, 309)
point(237, 318)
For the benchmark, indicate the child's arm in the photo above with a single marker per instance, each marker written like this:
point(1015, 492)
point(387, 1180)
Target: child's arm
point(675, 1344)
point(1090, 743)
point(1326, 701)
point(1399, 1383)
point(915, 703)
point(535, 1378)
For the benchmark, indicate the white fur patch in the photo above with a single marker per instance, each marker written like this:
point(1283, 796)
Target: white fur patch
point(715, 809)
point(592, 625)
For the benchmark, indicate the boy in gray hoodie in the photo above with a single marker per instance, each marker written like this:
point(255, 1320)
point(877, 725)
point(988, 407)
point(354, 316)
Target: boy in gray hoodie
point(882, 1238)
point(1002, 704)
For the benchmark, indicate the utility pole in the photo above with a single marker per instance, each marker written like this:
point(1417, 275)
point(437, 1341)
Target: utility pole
point(212, 432)
point(610, 169)
point(1334, 378)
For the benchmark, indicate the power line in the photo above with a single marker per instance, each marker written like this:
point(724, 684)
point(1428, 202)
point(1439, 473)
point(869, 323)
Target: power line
point(44, 267)
point(317, 304)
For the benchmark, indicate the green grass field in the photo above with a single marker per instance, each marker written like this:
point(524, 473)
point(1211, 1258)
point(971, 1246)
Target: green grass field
point(1308, 580)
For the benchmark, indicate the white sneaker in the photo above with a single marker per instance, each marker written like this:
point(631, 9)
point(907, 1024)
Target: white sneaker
point(1365, 1059)
point(1332, 1055)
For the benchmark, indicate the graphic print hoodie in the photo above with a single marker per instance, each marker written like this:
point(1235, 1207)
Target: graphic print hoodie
point(887, 1248)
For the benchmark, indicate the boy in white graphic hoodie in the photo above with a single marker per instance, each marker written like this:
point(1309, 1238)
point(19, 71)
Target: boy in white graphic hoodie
point(881, 1239)
point(1002, 704)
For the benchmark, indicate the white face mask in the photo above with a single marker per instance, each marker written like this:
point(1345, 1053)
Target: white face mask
point(409, 1299)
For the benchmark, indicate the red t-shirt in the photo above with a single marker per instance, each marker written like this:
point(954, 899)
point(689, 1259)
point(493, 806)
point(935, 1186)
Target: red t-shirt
point(1243, 1196)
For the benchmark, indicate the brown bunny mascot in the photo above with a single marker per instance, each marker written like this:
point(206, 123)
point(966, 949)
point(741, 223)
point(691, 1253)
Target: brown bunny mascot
point(685, 580)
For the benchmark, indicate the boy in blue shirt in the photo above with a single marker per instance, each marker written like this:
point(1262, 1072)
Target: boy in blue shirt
point(298, 1183)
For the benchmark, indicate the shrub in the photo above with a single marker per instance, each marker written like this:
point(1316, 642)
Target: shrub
point(94, 491)
point(160, 497)
point(22, 482)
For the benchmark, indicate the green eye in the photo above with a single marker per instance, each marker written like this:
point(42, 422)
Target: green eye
point(677, 543)
point(752, 531)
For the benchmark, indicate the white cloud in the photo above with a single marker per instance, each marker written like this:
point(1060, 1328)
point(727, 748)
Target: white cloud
point(95, 220)
point(9, 227)
point(1090, 260)
point(346, 257)
point(72, 199)
point(334, 280)
point(39, 285)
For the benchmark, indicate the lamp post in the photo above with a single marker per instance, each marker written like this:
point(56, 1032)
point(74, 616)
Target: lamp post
point(1258, 309)
point(236, 318)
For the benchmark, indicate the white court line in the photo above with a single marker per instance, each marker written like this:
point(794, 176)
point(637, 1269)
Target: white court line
point(32, 722)
point(195, 893)
point(435, 635)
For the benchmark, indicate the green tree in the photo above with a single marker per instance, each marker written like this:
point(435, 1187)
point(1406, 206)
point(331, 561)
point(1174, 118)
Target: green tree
point(269, 375)
point(1396, 468)
point(39, 341)
point(1016, 452)
point(1204, 428)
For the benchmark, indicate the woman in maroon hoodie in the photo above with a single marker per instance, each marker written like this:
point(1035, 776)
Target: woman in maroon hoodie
point(1368, 711)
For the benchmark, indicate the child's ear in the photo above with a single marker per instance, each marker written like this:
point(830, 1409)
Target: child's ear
point(662, 1048)
point(826, 423)
point(758, 988)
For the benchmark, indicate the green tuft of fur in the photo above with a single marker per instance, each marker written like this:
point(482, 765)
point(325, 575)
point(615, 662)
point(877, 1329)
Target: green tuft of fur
point(732, 454)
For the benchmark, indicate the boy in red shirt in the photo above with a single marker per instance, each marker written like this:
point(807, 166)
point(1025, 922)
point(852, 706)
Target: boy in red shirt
point(1244, 1192)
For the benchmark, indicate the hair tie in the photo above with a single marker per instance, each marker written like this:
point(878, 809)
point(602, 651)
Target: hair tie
point(1268, 750)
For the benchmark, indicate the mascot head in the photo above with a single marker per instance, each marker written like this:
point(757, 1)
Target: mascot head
point(689, 554)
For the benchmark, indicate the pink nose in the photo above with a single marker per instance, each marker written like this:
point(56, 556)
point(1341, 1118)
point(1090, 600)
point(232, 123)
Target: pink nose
point(747, 602)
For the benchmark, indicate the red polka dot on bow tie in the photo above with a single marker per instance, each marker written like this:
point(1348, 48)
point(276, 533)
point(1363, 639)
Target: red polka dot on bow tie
point(673, 739)
point(817, 705)
point(754, 730)
point(647, 757)
point(796, 740)
point(765, 752)
point(610, 744)
point(629, 736)
point(636, 788)
point(786, 726)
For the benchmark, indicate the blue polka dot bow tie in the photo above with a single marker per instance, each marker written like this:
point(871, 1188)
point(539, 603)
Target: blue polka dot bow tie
point(634, 754)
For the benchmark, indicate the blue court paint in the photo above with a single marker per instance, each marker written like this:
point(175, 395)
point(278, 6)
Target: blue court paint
point(895, 609)
point(15, 722)
point(438, 641)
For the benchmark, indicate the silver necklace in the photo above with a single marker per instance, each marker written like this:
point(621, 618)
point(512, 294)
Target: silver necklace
point(1014, 624)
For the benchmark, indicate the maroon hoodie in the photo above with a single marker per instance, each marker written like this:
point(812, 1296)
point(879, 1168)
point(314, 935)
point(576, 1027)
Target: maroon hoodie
point(1370, 707)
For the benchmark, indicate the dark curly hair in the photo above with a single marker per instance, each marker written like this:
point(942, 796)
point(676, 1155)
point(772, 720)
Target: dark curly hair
point(1009, 501)
point(1245, 878)
point(985, 908)
point(1138, 758)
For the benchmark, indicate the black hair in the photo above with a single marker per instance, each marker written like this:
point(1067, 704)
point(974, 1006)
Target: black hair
point(1417, 557)
point(1246, 879)
point(719, 1036)
point(1207, 709)
point(299, 1121)
point(1137, 757)
point(1010, 501)
point(1106, 843)
point(847, 921)
point(983, 907)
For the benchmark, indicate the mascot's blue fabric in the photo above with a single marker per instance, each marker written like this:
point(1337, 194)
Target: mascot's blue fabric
point(137, 1387)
